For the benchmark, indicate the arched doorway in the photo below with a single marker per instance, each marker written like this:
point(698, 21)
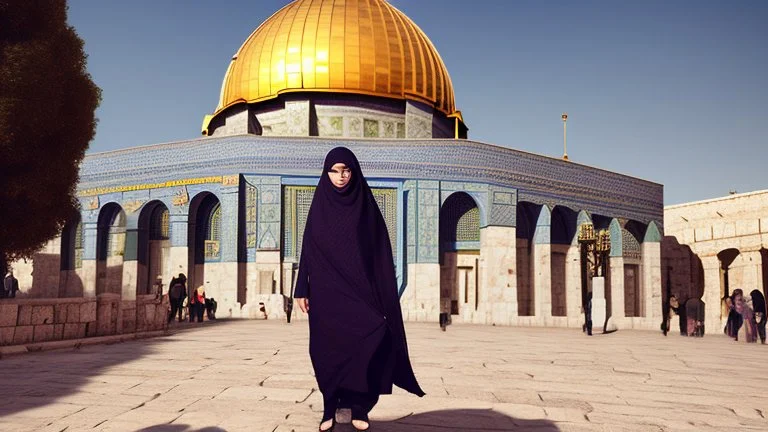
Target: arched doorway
point(459, 254)
point(110, 249)
point(153, 252)
point(562, 232)
point(601, 222)
point(71, 253)
point(634, 292)
point(526, 218)
point(204, 236)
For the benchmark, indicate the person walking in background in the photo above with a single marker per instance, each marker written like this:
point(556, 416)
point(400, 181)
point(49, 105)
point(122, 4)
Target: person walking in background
point(197, 305)
point(758, 303)
point(741, 314)
point(10, 285)
point(176, 295)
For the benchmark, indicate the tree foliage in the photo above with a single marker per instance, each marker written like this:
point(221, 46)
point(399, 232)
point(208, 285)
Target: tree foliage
point(47, 104)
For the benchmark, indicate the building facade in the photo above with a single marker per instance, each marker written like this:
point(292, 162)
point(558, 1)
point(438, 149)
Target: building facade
point(714, 246)
point(485, 233)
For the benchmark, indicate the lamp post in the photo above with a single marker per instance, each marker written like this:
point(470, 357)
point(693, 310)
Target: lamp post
point(594, 248)
point(565, 148)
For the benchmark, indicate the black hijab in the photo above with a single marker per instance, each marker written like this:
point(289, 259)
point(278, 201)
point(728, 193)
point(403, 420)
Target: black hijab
point(758, 302)
point(347, 272)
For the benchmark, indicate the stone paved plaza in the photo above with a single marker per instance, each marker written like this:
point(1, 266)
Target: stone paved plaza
point(256, 376)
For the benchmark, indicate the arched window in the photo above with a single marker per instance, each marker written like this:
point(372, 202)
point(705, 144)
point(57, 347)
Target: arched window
point(160, 225)
point(72, 246)
point(214, 224)
point(116, 238)
point(213, 234)
point(460, 223)
point(79, 245)
point(468, 227)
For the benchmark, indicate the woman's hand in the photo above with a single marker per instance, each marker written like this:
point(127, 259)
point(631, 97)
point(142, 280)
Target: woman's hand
point(303, 303)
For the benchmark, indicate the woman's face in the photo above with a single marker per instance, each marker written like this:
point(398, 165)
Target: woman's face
point(340, 175)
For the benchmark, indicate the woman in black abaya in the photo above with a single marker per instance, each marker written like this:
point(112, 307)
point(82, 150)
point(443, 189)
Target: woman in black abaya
point(346, 283)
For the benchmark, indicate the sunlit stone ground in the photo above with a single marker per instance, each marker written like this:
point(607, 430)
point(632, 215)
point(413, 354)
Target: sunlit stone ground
point(256, 376)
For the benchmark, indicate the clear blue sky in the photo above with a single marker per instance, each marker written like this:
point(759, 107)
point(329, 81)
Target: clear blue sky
point(670, 91)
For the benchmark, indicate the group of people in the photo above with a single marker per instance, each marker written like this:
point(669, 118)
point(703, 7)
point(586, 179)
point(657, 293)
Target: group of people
point(195, 302)
point(749, 312)
point(691, 314)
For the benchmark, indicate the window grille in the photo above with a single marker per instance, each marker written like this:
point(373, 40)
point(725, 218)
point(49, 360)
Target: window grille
point(630, 245)
point(297, 200)
point(213, 237)
point(160, 224)
point(116, 236)
point(460, 223)
point(251, 221)
point(468, 227)
point(79, 245)
point(387, 201)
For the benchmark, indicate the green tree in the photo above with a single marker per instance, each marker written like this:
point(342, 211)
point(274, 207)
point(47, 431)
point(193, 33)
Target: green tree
point(47, 104)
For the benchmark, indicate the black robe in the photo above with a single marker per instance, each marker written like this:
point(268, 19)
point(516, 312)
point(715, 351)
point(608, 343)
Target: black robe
point(347, 272)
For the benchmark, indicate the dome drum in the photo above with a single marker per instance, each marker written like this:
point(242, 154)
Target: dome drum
point(362, 48)
point(333, 115)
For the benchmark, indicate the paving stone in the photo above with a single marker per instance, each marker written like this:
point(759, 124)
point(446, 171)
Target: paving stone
point(256, 375)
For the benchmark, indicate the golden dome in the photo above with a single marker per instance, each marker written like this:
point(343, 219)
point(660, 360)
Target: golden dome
point(341, 46)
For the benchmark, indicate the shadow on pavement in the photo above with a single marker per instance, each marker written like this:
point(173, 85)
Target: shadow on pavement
point(464, 420)
point(180, 428)
point(458, 420)
point(58, 383)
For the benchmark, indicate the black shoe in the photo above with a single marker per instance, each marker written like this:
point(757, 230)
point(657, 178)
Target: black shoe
point(330, 429)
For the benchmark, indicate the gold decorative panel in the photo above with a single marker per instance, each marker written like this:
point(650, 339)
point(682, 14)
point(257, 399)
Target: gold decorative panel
point(343, 46)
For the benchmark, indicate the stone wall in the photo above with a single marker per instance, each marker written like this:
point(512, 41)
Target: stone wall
point(709, 242)
point(25, 321)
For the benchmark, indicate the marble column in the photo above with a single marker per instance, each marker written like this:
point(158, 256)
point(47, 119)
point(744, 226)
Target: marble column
point(497, 279)
point(542, 282)
point(88, 271)
point(178, 255)
point(616, 273)
point(713, 324)
point(573, 286)
point(130, 265)
point(651, 283)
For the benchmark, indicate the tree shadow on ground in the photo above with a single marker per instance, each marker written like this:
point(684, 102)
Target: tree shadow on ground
point(51, 385)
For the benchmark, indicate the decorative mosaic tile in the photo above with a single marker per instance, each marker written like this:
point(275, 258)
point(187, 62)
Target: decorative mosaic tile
point(370, 128)
point(617, 238)
point(542, 235)
point(539, 179)
point(388, 129)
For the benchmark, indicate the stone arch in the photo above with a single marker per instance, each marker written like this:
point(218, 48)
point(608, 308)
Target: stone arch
point(72, 242)
point(526, 220)
point(582, 218)
point(682, 275)
point(204, 236)
point(601, 222)
point(153, 248)
point(632, 234)
point(459, 248)
point(563, 231)
point(110, 248)
point(71, 255)
point(726, 257)
point(653, 233)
